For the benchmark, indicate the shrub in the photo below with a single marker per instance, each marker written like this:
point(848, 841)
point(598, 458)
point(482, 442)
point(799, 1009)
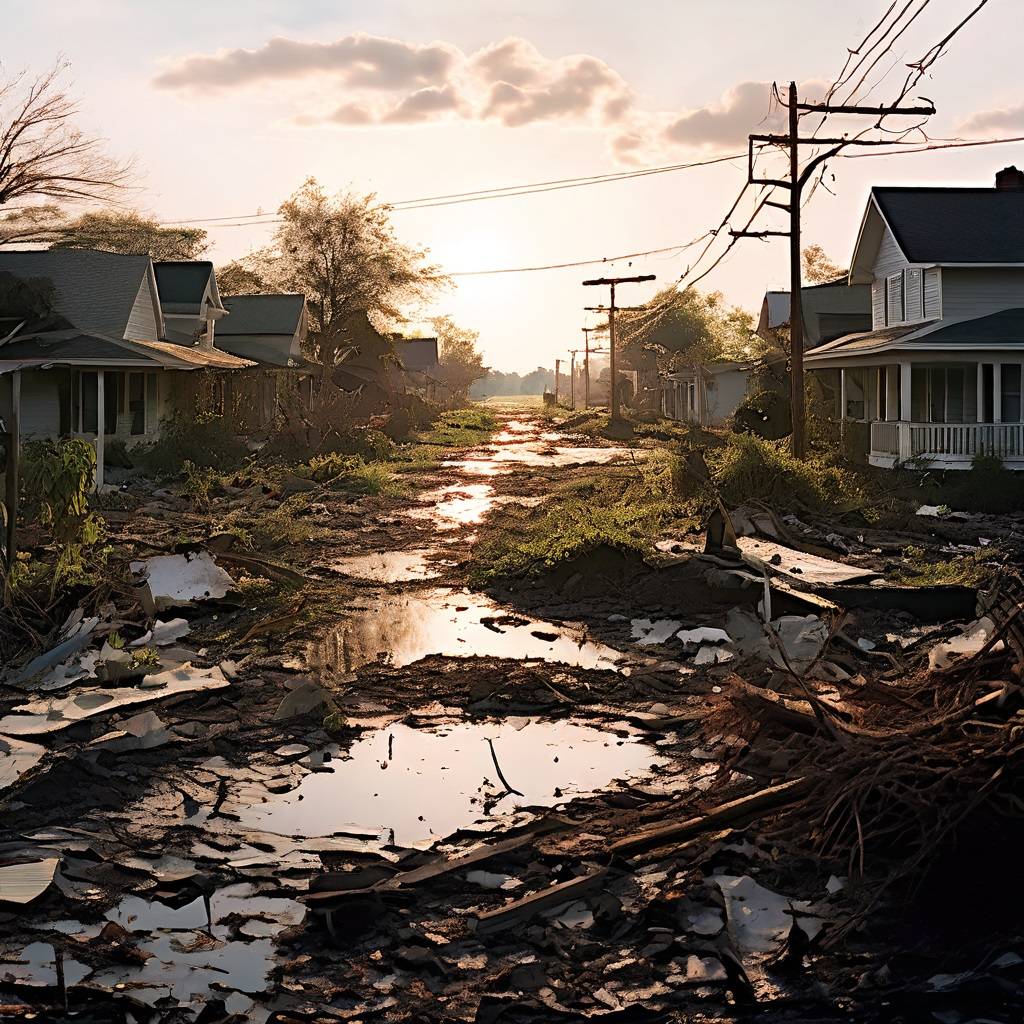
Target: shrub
point(749, 469)
point(205, 440)
point(988, 486)
point(198, 483)
point(58, 476)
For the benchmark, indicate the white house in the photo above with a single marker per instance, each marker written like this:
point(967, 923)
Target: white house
point(708, 395)
point(938, 377)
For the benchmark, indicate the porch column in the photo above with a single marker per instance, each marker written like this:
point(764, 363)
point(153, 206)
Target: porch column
point(892, 393)
point(698, 397)
point(905, 379)
point(100, 427)
point(997, 392)
point(981, 392)
point(842, 394)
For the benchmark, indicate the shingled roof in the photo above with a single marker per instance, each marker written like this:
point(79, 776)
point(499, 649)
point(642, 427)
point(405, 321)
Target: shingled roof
point(955, 225)
point(182, 284)
point(95, 291)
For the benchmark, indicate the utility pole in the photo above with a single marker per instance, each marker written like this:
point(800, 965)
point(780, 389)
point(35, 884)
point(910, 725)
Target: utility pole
point(612, 282)
point(795, 184)
point(572, 378)
point(586, 366)
point(558, 363)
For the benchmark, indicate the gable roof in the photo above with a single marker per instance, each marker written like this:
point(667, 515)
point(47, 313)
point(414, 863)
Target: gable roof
point(830, 310)
point(183, 284)
point(937, 225)
point(262, 314)
point(96, 291)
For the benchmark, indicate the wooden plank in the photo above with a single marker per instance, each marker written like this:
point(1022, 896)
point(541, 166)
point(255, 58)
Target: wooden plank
point(22, 883)
point(743, 808)
point(798, 567)
point(535, 903)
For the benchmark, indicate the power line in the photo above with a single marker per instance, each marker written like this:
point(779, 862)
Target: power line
point(502, 192)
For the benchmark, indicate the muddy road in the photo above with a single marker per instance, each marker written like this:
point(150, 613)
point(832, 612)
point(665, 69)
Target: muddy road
point(415, 718)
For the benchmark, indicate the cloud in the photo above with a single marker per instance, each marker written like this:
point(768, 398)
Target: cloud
point(365, 80)
point(997, 119)
point(359, 60)
point(746, 107)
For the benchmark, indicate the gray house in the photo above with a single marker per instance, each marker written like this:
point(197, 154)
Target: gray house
point(938, 376)
point(830, 310)
point(97, 363)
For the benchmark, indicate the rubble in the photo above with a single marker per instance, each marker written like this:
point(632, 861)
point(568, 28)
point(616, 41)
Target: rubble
point(712, 786)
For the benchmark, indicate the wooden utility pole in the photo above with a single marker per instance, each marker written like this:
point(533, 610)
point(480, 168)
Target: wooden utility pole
point(572, 378)
point(586, 366)
point(612, 282)
point(558, 363)
point(795, 184)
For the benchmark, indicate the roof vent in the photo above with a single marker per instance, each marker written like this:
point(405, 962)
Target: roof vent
point(1009, 179)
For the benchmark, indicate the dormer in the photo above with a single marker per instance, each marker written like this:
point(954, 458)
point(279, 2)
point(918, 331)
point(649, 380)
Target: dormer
point(190, 300)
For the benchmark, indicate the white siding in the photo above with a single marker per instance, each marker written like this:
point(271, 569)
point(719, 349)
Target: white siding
point(142, 325)
point(724, 396)
point(877, 305)
point(40, 404)
point(889, 259)
point(969, 293)
point(932, 293)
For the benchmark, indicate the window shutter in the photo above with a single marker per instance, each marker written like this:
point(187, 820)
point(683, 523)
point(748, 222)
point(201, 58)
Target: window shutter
point(895, 299)
point(915, 295)
point(877, 304)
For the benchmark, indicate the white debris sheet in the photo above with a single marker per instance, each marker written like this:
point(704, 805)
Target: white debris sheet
point(798, 566)
point(759, 919)
point(967, 644)
point(22, 883)
point(40, 717)
point(176, 581)
point(644, 631)
point(16, 758)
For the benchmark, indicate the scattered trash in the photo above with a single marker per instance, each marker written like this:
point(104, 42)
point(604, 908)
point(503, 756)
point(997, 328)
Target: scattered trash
point(177, 581)
point(23, 883)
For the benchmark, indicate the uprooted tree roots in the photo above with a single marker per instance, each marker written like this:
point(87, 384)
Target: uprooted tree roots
point(894, 768)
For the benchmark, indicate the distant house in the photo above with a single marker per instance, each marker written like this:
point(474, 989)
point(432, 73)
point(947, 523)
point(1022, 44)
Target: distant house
point(420, 364)
point(708, 395)
point(937, 377)
point(97, 364)
point(830, 310)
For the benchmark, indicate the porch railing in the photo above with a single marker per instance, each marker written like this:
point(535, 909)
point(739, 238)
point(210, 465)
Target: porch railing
point(946, 442)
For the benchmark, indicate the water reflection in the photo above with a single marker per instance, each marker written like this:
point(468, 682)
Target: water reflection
point(425, 784)
point(401, 628)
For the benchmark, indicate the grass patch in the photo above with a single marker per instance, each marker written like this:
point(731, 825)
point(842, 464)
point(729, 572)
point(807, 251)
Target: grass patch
point(969, 570)
point(459, 428)
point(605, 509)
point(748, 469)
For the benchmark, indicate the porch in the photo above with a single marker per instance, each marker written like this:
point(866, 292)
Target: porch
point(943, 414)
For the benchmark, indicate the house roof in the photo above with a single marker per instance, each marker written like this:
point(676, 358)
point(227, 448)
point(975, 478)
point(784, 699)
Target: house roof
point(80, 348)
point(417, 353)
point(183, 284)
point(830, 310)
point(262, 314)
point(95, 291)
point(954, 225)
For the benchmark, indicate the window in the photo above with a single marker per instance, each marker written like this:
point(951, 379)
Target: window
point(1011, 393)
point(856, 406)
point(945, 394)
point(137, 403)
point(894, 309)
point(90, 408)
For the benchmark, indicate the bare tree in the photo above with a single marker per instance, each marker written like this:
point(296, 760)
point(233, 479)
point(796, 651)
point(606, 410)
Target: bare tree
point(43, 154)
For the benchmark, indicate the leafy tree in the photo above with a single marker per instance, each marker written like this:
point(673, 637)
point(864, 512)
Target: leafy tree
point(238, 278)
point(42, 153)
point(460, 361)
point(818, 268)
point(343, 254)
point(685, 327)
point(126, 231)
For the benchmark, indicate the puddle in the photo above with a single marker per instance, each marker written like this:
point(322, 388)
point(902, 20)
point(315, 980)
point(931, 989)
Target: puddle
point(389, 566)
point(496, 459)
point(400, 629)
point(457, 505)
point(426, 784)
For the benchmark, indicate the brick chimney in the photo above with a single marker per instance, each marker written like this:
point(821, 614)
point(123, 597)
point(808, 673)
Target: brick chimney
point(1009, 179)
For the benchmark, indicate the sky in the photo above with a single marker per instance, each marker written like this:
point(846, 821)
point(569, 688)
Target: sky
point(228, 106)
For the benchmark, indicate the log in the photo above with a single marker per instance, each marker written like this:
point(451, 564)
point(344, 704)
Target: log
point(535, 903)
point(742, 809)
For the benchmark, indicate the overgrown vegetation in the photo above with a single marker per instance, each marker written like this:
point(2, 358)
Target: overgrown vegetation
point(459, 428)
point(58, 476)
point(607, 509)
point(204, 440)
point(967, 570)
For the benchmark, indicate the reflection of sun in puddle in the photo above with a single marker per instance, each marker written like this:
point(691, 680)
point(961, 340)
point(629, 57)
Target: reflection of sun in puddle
point(426, 784)
point(401, 629)
point(388, 566)
point(457, 505)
